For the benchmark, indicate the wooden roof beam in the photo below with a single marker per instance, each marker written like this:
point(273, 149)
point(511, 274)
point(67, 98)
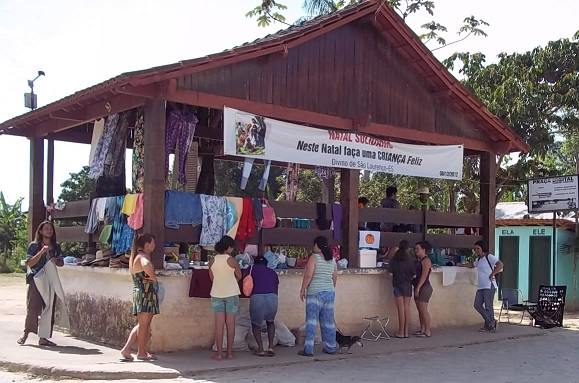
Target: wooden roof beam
point(209, 100)
point(101, 108)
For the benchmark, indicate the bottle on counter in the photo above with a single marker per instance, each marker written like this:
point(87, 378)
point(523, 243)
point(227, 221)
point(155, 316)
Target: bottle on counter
point(196, 254)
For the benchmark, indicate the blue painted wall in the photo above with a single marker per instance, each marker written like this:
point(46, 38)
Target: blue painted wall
point(564, 265)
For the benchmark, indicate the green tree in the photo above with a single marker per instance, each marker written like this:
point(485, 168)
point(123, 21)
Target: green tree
point(535, 93)
point(13, 232)
point(78, 187)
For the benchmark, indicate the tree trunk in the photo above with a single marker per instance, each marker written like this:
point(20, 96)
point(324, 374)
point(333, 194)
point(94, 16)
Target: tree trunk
point(291, 182)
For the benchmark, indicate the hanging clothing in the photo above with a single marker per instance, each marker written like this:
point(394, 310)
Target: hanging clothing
point(98, 162)
point(182, 208)
point(105, 236)
point(139, 152)
point(257, 205)
point(114, 164)
point(111, 186)
point(129, 204)
point(322, 221)
point(246, 229)
point(122, 233)
point(180, 130)
point(110, 209)
point(97, 132)
point(234, 211)
point(337, 221)
point(135, 220)
point(92, 222)
point(247, 166)
point(206, 181)
point(213, 226)
point(100, 208)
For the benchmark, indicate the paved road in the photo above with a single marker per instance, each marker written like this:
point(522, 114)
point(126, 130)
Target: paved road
point(550, 358)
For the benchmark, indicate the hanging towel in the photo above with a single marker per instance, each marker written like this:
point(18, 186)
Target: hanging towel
point(337, 221)
point(135, 220)
point(49, 286)
point(129, 204)
point(105, 236)
point(246, 228)
point(100, 208)
point(182, 208)
point(213, 226)
point(234, 210)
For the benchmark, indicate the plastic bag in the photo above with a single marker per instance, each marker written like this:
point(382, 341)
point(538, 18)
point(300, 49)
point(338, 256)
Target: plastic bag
point(244, 260)
point(342, 263)
point(283, 335)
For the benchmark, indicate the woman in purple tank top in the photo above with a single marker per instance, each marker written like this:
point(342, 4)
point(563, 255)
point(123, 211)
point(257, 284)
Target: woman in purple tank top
point(422, 287)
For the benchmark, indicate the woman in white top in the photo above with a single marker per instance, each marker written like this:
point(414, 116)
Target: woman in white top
point(225, 273)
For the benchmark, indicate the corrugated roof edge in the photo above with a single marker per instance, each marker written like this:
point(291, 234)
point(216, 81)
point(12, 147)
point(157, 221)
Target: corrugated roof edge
point(561, 223)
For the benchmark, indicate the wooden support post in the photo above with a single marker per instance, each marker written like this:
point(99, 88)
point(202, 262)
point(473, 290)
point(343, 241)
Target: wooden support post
point(154, 182)
point(36, 209)
point(349, 182)
point(488, 174)
point(49, 170)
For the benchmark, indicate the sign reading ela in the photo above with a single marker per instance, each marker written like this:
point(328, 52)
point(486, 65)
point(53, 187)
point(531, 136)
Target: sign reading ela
point(553, 194)
point(249, 135)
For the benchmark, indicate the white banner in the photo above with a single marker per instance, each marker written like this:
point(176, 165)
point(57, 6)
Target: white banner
point(248, 135)
point(553, 194)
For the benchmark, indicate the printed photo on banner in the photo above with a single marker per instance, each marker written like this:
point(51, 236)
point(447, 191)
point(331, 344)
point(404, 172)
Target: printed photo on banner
point(250, 134)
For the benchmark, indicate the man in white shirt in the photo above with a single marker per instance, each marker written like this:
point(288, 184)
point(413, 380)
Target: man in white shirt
point(488, 266)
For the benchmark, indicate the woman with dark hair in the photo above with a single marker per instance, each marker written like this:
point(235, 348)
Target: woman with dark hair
point(318, 290)
point(487, 266)
point(263, 303)
point(225, 273)
point(145, 297)
point(402, 269)
point(422, 287)
point(42, 250)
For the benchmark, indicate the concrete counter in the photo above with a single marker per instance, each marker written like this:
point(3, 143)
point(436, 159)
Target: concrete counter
point(99, 301)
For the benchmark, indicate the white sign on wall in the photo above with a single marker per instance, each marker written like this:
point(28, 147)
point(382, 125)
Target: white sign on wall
point(250, 135)
point(553, 194)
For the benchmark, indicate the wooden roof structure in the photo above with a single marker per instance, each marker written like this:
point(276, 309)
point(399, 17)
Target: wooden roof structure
point(442, 106)
point(561, 223)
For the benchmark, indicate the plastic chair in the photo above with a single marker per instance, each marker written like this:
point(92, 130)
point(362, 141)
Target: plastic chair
point(511, 299)
point(380, 325)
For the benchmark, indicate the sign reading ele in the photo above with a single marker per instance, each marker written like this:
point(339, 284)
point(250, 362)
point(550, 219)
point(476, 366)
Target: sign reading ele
point(553, 194)
point(249, 135)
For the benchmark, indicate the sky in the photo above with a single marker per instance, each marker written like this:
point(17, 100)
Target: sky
point(81, 43)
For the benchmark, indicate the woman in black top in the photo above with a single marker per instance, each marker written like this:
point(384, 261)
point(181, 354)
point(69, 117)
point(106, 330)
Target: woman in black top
point(402, 269)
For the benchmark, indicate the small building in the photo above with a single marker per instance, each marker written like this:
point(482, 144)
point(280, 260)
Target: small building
point(525, 245)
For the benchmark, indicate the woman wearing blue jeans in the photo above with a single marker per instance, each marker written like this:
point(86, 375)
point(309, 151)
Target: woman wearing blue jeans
point(318, 290)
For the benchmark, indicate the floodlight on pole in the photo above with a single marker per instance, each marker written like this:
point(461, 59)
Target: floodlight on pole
point(30, 98)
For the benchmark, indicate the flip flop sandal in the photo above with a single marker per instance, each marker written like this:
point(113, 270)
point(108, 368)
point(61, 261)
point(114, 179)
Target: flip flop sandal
point(46, 343)
point(126, 360)
point(303, 353)
point(261, 355)
point(22, 340)
point(418, 333)
point(423, 335)
point(271, 353)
